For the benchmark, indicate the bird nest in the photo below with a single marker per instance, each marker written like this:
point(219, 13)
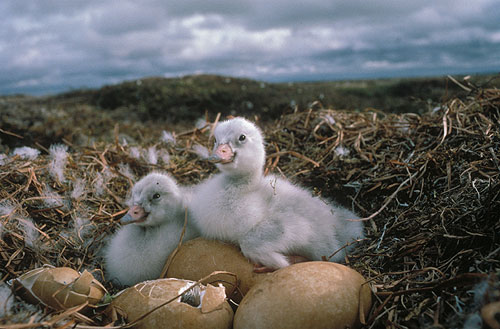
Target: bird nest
point(427, 187)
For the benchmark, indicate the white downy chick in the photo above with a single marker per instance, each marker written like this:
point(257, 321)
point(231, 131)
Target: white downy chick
point(154, 223)
point(267, 216)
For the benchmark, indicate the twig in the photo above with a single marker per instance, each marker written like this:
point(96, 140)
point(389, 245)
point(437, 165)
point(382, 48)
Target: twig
point(172, 255)
point(197, 283)
point(295, 154)
point(11, 134)
point(389, 199)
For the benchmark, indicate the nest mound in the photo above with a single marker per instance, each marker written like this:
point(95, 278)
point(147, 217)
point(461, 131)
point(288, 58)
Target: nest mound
point(428, 187)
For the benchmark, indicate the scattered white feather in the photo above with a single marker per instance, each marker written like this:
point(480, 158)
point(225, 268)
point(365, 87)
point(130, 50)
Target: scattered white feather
point(6, 208)
point(404, 125)
point(436, 109)
point(342, 151)
point(151, 155)
point(164, 156)
point(59, 155)
point(200, 123)
point(330, 119)
point(107, 174)
point(82, 227)
point(99, 185)
point(27, 153)
point(50, 198)
point(168, 137)
point(79, 189)
point(59, 152)
point(30, 232)
point(102, 178)
point(3, 157)
point(6, 300)
point(125, 170)
point(135, 152)
point(201, 151)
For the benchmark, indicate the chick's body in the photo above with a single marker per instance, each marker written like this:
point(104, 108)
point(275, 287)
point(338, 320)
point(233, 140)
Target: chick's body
point(154, 223)
point(268, 217)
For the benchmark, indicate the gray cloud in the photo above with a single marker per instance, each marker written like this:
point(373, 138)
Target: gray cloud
point(54, 45)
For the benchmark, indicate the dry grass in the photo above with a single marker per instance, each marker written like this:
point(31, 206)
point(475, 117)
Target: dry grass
point(428, 187)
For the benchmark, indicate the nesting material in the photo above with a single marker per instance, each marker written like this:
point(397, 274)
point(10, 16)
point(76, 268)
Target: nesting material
point(59, 287)
point(199, 257)
point(428, 186)
point(306, 295)
point(204, 308)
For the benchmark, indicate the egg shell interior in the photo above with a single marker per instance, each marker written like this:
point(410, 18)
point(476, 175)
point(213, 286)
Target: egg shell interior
point(135, 301)
point(59, 287)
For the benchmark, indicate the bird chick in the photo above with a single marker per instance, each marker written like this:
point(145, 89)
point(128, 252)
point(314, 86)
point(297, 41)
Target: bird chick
point(152, 229)
point(270, 218)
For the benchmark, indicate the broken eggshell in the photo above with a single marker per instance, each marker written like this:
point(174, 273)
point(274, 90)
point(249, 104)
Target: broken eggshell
point(200, 307)
point(58, 287)
point(306, 295)
point(198, 258)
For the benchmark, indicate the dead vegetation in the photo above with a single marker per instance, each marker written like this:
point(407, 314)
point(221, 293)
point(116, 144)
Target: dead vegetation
point(428, 187)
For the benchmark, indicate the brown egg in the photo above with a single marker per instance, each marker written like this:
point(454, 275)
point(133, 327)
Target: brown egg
point(204, 307)
point(306, 295)
point(491, 314)
point(198, 258)
point(59, 287)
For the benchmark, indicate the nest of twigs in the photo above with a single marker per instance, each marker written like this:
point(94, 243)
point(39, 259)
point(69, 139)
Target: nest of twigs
point(427, 187)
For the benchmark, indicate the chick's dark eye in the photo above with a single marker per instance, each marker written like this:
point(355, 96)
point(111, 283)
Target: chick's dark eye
point(156, 196)
point(242, 138)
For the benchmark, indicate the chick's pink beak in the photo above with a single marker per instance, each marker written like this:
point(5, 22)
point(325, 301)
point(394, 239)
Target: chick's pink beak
point(135, 214)
point(223, 154)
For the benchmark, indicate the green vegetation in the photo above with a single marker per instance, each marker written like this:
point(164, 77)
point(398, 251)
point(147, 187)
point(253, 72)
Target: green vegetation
point(188, 98)
point(176, 103)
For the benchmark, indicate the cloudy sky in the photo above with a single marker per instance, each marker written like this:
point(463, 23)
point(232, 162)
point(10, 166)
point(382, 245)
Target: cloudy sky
point(56, 45)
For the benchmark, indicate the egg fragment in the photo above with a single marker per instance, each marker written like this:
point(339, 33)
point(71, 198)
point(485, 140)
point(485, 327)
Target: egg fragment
point(198, 258)
point(58, 287)
point(204, 307)
point(306, 295)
